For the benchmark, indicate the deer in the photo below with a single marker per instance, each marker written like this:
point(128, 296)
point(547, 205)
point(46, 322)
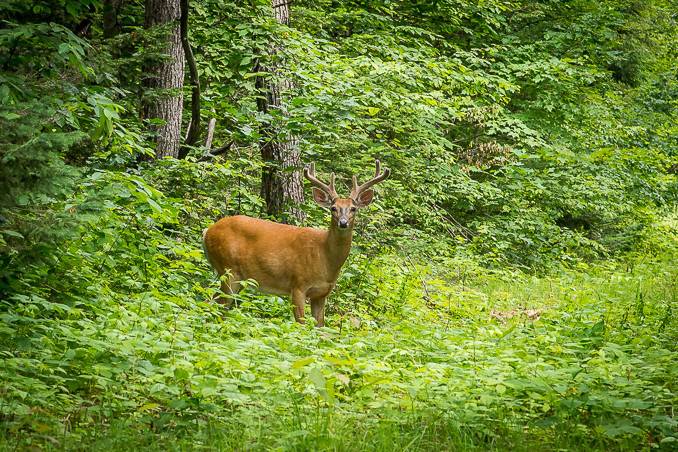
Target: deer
point(300, 262)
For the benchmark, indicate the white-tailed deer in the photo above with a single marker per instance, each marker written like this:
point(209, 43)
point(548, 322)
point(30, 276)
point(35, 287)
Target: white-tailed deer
point(303, 263)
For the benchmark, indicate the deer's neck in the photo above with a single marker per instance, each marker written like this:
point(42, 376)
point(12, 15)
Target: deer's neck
point(338, 246)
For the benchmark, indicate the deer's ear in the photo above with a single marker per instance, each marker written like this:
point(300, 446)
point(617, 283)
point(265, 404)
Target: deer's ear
point(364, 198)
point(321, 198)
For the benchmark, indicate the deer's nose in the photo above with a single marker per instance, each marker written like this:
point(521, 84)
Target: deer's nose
point(343, 223)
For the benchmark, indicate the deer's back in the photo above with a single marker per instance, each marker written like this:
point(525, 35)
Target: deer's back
point(273, 254)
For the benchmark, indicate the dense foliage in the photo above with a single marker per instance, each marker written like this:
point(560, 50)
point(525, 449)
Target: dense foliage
point(514, 284)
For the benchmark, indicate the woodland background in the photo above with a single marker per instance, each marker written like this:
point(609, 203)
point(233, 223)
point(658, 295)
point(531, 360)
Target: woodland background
point(513, 286)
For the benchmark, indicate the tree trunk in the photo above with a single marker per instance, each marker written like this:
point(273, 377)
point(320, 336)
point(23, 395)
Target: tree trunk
point(281, 184)
point(164, 80)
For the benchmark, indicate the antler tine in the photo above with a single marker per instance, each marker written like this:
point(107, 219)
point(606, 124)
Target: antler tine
point(309, 173)
point(378, 177)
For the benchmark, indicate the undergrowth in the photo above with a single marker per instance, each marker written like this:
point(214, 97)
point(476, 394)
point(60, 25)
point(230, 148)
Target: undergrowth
point(417, 356)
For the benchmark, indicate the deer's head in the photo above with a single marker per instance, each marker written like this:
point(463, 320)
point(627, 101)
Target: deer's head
point(344, 209)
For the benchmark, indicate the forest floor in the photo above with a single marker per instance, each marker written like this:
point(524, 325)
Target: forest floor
point(583, 360)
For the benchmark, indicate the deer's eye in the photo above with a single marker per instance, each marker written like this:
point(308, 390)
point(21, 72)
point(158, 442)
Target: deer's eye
point(353, 209)
point(333, 209)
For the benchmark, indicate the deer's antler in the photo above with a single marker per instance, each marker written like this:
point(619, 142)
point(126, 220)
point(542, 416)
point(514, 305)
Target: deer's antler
point(309, 173)
point(378, 177)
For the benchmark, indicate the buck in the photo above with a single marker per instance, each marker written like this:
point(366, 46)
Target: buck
point(301, 262)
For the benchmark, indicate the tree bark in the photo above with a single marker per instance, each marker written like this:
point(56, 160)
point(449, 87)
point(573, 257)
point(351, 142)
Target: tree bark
point(164, 80)
point(281, 184)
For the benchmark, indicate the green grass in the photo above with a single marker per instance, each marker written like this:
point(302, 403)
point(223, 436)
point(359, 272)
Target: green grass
point(436, 361)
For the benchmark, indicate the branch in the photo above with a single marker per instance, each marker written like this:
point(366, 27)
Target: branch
point(194, 127)
point(211, 154)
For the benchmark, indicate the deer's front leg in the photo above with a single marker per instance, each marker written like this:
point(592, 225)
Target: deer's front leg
point(318, 310)
point(298, 300)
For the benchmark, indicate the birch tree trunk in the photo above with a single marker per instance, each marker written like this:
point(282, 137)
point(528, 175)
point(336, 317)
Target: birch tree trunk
point(164, 80)
point(281, 183)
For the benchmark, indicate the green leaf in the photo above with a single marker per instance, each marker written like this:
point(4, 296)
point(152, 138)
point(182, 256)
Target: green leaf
point(317, 378)
point(154, 205)
point(298, 364)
